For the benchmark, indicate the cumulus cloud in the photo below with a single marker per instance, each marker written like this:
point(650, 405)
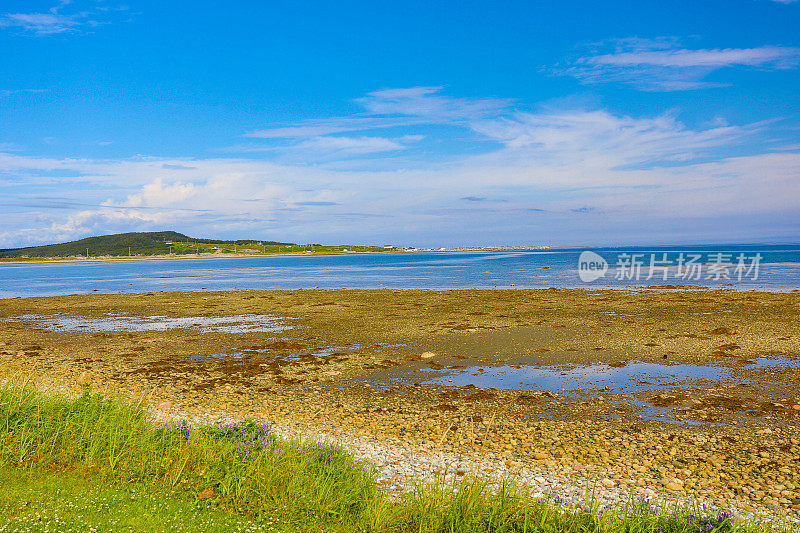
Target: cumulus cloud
point(664, 65)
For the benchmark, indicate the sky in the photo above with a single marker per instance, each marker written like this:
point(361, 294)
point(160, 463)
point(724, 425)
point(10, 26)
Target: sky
point(414, 123)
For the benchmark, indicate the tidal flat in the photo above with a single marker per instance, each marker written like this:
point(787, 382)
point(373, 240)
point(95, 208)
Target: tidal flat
point(667, 393)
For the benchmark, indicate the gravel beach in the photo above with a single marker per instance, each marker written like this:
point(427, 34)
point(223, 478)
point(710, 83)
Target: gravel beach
point(674, 395)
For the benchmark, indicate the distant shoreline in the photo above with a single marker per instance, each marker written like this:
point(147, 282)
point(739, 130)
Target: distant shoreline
point(165, 257)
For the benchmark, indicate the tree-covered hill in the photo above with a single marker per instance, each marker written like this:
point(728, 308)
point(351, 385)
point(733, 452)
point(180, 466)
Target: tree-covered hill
point(122, 244)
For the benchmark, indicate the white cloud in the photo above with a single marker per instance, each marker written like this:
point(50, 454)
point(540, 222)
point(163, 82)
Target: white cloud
point(563, 174)
point(400, 108)
point(568, 137)
point(39, 23)
point(55, 20)
point(392, 108)
point(348, 146)
point(328, 148)
point(771, 56)
point(426, 102)
point(560, 175)
point(317, 127)
point(159, 194)
point(662, 65)
point(14, 92)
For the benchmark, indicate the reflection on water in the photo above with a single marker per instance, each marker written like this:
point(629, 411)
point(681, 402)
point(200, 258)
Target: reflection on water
point(313, 354)
point(772, 362)
point(617, 378)
point(121, 322)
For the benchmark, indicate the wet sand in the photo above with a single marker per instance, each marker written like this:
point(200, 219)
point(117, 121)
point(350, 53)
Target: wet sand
point(361, 363)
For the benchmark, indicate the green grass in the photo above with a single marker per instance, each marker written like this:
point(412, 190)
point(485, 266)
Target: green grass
point(248, 471)
point(98, 463)
point(30, 501)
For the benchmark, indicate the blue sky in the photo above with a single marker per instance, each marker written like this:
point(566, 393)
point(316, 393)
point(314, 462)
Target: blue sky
point(564, 123)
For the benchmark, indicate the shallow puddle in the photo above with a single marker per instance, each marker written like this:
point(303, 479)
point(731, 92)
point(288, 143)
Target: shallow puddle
point(633, 377)
point(772, 363)
point(313, 354)
point(121, 322)
point(626, 378)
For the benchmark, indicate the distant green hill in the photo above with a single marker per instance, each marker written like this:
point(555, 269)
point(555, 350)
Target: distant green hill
point(145, 243)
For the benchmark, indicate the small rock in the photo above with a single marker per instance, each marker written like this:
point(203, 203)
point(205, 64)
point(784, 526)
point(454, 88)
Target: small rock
point(165, 406)
point(428, 355)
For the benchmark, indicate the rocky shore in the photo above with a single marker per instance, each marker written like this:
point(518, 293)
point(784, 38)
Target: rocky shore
point(358, 367)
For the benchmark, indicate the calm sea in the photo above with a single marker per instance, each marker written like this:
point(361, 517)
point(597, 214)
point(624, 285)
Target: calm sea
point(769, 268)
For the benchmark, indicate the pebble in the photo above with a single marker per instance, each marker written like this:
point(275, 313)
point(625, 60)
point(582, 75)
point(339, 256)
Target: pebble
point(400, 467)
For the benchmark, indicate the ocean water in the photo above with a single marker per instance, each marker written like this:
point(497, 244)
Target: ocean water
point(767, 268)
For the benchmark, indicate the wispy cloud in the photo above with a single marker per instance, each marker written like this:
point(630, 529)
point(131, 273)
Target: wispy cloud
point(570, 136)
point(428, 103)
point(663, 65)
point(391, 108)
point(14, 92)
point(317, 127)
point(61, 18)
point(586, 171)
point(399, 108)
point(332, 148)
point(348, 146)
point(172, 166)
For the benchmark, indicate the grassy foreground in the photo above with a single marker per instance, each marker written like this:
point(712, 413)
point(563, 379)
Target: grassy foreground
point(96, 464)
point(31, 501)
